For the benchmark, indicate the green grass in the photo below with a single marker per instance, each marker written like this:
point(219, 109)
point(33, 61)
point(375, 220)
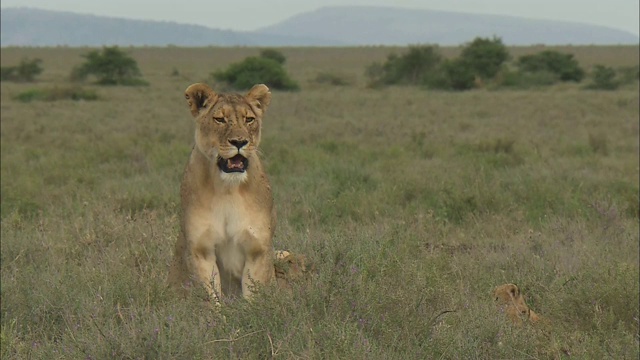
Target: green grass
point(57, 93)
point(413, 204)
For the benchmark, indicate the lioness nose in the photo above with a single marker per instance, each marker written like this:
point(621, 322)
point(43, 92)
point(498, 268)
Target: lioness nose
point(238, 143)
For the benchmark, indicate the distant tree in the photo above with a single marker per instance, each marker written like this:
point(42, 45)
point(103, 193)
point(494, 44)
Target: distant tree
point(111, 66)
point(484, 57)
point(26, 71)
point(564, 66)
point(255, 70)
point(419, 63)
point(273, 55)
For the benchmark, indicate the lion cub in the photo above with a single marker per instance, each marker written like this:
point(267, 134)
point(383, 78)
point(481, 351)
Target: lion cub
point(509, 300)
point(228, 218)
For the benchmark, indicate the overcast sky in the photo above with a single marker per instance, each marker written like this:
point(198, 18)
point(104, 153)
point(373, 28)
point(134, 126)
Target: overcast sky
point(253, 14)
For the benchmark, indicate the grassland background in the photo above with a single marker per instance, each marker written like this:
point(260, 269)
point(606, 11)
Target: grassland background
point(411, 203)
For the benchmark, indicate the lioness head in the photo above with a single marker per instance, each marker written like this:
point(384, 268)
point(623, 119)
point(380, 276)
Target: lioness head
point(228, 127)
point(509, 299)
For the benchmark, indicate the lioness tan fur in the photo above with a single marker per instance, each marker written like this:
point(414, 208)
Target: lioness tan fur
point(228, 219)
point(291, 268)
point(510, 301)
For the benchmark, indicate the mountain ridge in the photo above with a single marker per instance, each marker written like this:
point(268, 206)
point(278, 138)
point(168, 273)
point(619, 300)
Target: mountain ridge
point(326, 26)
point(379, 25)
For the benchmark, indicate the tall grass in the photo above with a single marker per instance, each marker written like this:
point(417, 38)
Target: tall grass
point(412, 204)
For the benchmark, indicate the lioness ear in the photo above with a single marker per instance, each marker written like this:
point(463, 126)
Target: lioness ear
point(515, 291)
point(199, 96)
point(260, 96)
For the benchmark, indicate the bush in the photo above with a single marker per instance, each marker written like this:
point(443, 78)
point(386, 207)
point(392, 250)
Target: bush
point(112, 66)
point(485, 57)
point(603, 78)
point(564, 66)
point(459, 75)
point(57, 93)
point(273, 55)
point(415, 67)
point(256, 70)
point(26, 71)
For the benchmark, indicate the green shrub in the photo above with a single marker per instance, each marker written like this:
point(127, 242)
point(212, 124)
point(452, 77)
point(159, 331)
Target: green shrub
point(57, 93)
point(564, 66)
point(256, 70)
point(459, 75)
point(111, 66)
point(603, 78)
point(413, 68)
point(273, 55)
point(485, 57)
point(26, 71)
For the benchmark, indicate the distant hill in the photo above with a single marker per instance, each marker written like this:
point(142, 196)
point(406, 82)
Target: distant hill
point(329, 26)
point(34, 27)
point(365, 25)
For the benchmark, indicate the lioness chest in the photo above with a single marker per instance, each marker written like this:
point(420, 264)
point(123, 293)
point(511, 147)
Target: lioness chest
point(232, 227)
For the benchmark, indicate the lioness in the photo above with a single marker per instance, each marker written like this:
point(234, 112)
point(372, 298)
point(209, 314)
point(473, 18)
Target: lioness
point(228, 218)
point(510, 301)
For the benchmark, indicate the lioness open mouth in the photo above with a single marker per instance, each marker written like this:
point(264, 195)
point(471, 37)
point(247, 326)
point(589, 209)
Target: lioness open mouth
point(237, 163)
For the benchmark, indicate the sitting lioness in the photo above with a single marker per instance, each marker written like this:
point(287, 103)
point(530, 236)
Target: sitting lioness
point(228, 218)
point(510, 301)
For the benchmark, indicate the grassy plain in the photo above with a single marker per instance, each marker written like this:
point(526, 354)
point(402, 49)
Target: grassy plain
point(414, 205)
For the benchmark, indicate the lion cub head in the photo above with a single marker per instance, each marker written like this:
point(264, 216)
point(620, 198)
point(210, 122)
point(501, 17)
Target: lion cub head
point(228, 127)
point(291, 267)
point(509, 299)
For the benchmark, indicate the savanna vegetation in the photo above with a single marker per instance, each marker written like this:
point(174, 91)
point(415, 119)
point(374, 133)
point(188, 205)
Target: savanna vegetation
point(413, 203)
point(487, 63)
point(25, 71)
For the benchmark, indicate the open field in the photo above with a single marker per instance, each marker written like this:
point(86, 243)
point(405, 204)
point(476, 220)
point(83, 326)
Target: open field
point(413, 204)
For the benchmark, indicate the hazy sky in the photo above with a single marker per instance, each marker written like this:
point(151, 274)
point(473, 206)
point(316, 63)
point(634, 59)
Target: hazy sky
point(253, 14)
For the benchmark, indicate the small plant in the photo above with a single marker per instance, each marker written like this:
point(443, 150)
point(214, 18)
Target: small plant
point(497, 146)
point(255, 70)
point(603, 78)
point(111, 66)
point(564, 66)
point(332, 79)
point(599, 143)
point(26, 71)
point(525, 80)
point(57, 93)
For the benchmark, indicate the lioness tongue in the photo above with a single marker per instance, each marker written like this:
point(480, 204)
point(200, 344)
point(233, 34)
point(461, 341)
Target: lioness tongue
point(235, 162)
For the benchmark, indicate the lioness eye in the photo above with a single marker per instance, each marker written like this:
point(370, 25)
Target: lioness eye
point(250, 120)
point(219, 120)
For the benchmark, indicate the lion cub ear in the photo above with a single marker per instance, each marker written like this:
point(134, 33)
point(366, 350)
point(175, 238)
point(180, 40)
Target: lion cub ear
point(199, 96)
point(260, 96)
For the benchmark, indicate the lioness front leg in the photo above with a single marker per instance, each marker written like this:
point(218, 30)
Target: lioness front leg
point(258, 269)
point(206, 270)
